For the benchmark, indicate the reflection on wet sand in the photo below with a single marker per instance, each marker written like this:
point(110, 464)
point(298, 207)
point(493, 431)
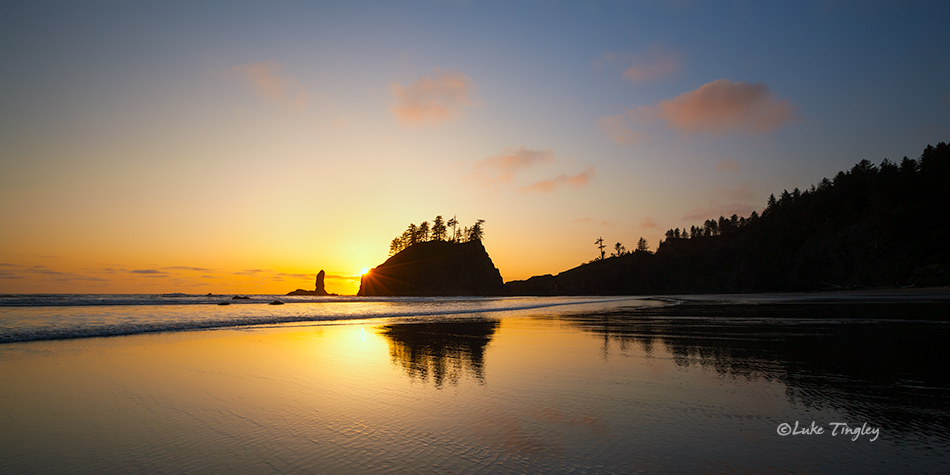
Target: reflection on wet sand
point(883, 362)
point(443, 350)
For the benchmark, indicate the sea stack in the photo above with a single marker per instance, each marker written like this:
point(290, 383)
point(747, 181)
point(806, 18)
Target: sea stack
point(318, 287)
point(435, 268)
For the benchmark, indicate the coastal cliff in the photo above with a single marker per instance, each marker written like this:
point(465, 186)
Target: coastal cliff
point(435, 268)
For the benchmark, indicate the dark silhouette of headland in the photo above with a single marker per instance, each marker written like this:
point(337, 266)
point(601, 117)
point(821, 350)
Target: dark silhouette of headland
point(871, 226)
point(318, 287)
point(435, 268)
point(427, 261)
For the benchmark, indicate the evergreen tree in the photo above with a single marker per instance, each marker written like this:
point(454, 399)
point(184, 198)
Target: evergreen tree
point(424, 231)
point(477, 231)
point(395, 246)
point(643, 245)
point(438, 229)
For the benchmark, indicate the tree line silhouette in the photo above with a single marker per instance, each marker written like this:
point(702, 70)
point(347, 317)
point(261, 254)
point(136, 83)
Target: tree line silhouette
point(620, 249)
point(872, 225)
point(437, 231)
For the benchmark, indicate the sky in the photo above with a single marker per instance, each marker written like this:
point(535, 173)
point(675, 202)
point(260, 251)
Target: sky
point(230, 147)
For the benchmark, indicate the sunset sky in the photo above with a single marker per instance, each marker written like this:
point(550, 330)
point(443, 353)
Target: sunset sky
point(242, 147)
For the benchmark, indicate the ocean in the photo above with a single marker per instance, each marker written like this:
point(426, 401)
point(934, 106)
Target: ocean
point(817, 383)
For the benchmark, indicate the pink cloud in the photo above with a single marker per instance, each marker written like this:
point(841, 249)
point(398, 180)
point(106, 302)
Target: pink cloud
point(648, 223)
point(549, 186)
point(726, 202)
point(744, 192)
point(721, 107)
point(501, 168)
point(617, 128)
point(656, 64)
point(728, 165)
point(433, 100)
point(266, 80)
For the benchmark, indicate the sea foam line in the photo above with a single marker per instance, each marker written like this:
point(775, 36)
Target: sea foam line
point(110, 330)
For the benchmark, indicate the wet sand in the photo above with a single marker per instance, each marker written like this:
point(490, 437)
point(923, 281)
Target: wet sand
point(625, 391)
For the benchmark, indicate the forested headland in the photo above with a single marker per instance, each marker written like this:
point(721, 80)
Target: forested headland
point(884, 225)
point(428, 260)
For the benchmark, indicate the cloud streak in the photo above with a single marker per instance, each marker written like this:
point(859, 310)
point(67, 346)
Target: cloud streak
point(728, 165)
point(617, 128)
point(267, 80)
point(17, 272)
point(657, 64)
point(726, 202)
point(549, 186)
point(433, 100)
point(501, 169)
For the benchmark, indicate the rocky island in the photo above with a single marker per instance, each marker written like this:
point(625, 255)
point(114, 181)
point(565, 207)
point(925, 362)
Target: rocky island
point(435, 268)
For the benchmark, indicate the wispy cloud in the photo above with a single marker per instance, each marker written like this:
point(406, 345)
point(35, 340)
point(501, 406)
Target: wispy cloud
point(548, 186)
point(617, 127)
point(267, 80)
point(501, 169)
point(16, 271)
point(655, 64)
point(146, 271)
point(728, 165)
point(433, 100)
point(648, 223)
point(745, 191)
point(724, 201)
point(497, 171)
point(149, 272)
point(196, 269)
point(249, 272)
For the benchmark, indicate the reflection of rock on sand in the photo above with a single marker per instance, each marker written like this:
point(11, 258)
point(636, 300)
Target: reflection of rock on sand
point(443, 350)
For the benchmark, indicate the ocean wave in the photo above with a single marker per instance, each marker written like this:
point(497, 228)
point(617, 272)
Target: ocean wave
point(83, 319)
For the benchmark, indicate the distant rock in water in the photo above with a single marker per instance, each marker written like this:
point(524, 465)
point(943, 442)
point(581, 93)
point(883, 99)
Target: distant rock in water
point(435, 268)
point(318, 287)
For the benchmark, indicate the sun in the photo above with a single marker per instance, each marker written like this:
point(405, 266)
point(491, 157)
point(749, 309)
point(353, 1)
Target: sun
point(364, 271)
